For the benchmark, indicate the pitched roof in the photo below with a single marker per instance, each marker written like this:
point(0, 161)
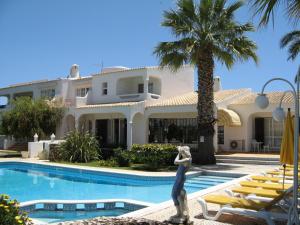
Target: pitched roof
point(274, 98)
point(117, 104)
point(191, 98)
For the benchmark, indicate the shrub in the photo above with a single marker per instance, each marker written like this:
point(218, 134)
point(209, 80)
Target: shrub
point(29, 116)
point(79, 147)
point(108, 163)
point(154, 155)
point(10, 213)
point(54, 153)
point(123, 157)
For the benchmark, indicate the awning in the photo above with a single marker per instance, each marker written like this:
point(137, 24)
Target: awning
point(228, 117)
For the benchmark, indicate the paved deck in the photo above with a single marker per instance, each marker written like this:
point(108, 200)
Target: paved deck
point(195, 209)
point(164, 212)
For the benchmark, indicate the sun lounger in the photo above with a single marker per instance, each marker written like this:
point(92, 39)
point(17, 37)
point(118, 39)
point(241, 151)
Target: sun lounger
point(256, 191)
point(276, 173)
point(271, 186)
point(269, 179)
point(241, 206)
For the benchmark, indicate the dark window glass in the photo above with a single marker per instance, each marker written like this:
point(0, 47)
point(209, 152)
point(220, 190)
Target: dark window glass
point(221, 135)
point(173, 130)
point(141, 88)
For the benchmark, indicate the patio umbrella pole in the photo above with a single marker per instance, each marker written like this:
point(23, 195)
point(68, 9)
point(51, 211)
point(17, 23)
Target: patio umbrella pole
point(294, 209)
point(263, 102)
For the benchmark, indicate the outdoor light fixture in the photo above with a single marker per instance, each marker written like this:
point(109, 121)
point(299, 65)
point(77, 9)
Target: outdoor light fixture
point(263, 102)
point(278, 114)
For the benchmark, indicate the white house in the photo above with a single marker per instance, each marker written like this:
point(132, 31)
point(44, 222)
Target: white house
point(123, 106)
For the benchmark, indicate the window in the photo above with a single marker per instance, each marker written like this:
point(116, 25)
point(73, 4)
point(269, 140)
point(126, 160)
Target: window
point(141, 88)
point(48, 93)
point(150, 87)
point(163, 130)
point(272, 133)
point(104, 88)
point(220, 135)
point(82, 92)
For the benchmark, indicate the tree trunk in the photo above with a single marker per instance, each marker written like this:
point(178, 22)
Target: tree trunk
point(205, 107)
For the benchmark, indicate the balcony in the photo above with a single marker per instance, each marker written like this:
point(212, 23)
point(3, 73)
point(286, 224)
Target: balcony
point(86, 100)
point(138, 88)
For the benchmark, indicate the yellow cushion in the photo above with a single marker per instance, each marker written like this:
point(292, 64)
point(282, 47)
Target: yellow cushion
point(265, 178)
point(271, 186)
point(257, 191)
point(235, 202)
point(287, 173)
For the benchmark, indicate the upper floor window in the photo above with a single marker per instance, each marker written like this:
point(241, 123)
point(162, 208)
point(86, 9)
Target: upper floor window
point(82, 92)
point(104, 88)
point(48, 93)
point(141, 88)
point(150, 87)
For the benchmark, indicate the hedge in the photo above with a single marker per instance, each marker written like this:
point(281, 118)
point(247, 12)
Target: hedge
point(154, 155)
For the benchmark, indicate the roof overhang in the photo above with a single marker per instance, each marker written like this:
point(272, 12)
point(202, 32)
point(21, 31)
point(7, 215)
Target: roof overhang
point(228, 117)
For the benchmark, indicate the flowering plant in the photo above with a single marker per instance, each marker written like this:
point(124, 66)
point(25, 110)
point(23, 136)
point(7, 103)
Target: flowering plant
point(10, 213)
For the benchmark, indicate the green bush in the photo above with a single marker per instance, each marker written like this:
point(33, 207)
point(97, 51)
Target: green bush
point(29, 116)
point(154, 155)
point(123, 157)
point(108, 162)
point(55, 153)
point(10, 213)
point(80, 147)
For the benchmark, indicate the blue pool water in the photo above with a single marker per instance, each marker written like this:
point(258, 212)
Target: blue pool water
point(24, 182)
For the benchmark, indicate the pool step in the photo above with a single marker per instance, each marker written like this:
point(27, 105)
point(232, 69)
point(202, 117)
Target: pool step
point(231, 159)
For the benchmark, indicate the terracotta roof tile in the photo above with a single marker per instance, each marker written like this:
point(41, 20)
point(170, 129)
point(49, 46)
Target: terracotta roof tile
point(274, 98)
point(191, 98)
point(117, 104)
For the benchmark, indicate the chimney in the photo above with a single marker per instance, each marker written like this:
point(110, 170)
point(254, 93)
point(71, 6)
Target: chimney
point(217, 84)
point(74, 72)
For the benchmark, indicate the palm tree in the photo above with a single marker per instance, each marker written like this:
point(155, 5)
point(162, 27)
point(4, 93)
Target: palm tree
point(293, 40)
point(267, 7)
point(205, 32)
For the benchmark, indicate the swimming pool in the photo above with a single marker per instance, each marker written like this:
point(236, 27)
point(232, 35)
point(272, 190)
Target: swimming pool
point(27, 181)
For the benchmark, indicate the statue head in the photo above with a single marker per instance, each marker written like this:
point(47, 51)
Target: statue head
point(184, 151)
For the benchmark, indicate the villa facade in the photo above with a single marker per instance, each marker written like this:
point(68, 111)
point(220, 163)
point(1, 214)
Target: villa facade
point(124, 106)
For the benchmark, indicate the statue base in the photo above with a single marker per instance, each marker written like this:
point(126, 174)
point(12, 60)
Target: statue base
point(179, 223)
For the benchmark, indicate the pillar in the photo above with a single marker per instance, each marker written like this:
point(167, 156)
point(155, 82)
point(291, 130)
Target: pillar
point(146, 87)
point(129, 134)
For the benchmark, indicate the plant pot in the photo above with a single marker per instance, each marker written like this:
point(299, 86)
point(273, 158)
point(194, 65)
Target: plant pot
point(24, 154)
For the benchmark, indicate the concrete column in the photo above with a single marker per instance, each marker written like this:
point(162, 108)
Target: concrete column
point(146, 87)
point(77, 122)
point(129, 134)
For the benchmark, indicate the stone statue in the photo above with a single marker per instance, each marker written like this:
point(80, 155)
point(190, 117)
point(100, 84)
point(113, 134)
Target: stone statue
point(184, 160)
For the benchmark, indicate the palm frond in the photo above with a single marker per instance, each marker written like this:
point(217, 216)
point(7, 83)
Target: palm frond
point(265, 8)
point(292, 40)
point(286, 39)
point(294, 49)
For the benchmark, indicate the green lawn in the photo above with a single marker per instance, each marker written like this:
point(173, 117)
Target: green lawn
point(140, 167)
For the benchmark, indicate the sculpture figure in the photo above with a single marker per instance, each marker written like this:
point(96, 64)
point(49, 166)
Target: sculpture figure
point(184, 160)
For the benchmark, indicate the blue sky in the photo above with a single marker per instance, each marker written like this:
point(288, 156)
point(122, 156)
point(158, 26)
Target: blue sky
point(41, 39)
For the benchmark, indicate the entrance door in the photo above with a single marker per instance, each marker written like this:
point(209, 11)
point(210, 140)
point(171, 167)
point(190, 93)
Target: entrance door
point(101, 132)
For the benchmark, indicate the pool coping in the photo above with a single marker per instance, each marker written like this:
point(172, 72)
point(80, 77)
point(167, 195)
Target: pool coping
point(102, 169)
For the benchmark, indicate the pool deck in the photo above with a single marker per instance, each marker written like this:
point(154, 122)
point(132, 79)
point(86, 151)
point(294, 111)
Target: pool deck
point(164, 210)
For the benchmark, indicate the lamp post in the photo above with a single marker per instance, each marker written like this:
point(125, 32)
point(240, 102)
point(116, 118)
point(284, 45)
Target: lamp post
point(278, 114)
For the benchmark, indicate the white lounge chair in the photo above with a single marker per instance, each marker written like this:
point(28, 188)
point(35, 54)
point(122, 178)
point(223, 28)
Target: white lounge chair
point(241, 206)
